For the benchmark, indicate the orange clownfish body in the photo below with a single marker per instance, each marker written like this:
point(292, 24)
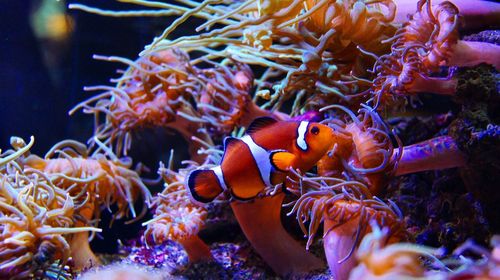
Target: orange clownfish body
point(260, 158)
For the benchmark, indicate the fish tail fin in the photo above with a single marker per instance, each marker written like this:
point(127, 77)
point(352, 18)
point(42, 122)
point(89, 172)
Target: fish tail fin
point(204, 185)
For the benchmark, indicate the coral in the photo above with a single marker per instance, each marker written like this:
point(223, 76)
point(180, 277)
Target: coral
point(176, 217)
point(476, 133)
point(438, 210)
point(476, 84)
point(489, 36)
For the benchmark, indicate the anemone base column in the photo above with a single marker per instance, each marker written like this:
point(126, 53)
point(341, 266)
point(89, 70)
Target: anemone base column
point(261, 223)
point(196, 249)
point(434, 154)
point(337, 244)
point(82, 255)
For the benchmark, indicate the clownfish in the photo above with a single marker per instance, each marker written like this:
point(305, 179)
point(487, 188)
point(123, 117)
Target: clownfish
point(261, 158)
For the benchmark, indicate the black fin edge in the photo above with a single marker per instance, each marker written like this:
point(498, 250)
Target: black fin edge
point(271, 159)
point(260, 123)
point(191, 186)
point(229, 140)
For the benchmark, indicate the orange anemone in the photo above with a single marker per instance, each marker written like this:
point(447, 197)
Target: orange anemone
point(176, 218)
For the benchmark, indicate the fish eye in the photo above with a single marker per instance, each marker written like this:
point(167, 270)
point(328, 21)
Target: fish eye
point(315, 130)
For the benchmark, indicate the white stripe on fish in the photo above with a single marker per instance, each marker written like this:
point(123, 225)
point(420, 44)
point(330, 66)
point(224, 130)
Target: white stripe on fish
point(301, 135)
point(261, 157)
point(218, 172)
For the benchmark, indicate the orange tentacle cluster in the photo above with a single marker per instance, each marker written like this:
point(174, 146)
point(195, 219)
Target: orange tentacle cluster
point(364, 150)
point(339, 201)
point(260, 31)
point(423, 44)
point(434, 29)
point(176, 218)
point(160, 90)
point(35, 216)
point(98, 180)
point(326, 37)
point(362, 23)
point(148, 94)
point(379, 259)
point(300, 40)
point(224, 100)
point(345, 207)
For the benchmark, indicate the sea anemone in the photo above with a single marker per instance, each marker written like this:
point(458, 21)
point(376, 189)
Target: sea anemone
point(486, 266)
point(164, 89)
point(176, 218)
point(104, 178)
point(36, 217)
point(427, 41)
point(20, 147)
point(435, 30)
point(223, 100)
point(361, 23)
point(363, 148)
point(380, 260)
point(98, 180)
point(403, 74)
point(475, 14)
point(151, 93)
point(311, 45)
point(345, 207)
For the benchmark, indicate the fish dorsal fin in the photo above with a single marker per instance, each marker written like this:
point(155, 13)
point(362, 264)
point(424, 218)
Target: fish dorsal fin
point(229, 144)
point(282, 160)
point(228, 141)
point(260, 123)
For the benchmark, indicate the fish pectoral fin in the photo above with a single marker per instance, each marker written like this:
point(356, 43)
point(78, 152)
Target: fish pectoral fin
point(282, 160)
point(204, 186)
